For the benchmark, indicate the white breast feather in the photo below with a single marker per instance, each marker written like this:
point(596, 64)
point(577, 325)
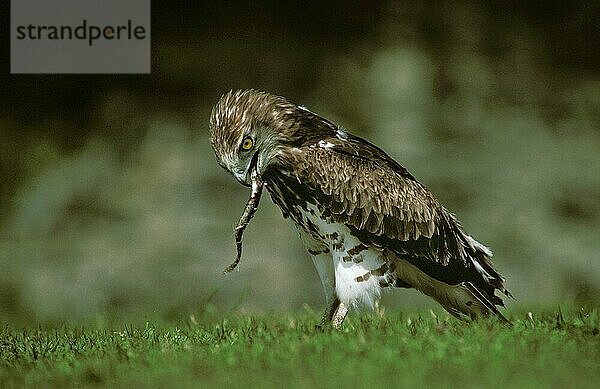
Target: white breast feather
point(351, 292)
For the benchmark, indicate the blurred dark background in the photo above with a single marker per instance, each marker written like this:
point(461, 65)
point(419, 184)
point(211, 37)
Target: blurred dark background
point(111, 203)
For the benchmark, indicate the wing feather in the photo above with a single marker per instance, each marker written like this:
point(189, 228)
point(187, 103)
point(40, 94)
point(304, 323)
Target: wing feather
point(370, 189)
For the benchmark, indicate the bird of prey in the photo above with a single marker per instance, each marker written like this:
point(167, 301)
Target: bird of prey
point(365, 220)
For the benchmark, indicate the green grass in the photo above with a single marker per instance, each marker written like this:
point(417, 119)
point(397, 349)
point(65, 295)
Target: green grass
point(539, 350)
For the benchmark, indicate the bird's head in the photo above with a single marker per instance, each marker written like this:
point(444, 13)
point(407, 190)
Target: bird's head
point(249, 129)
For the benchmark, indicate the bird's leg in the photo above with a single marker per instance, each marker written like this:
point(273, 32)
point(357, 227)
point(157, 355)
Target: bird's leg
point(330, 311)
point(339, 315)
point(334, 314)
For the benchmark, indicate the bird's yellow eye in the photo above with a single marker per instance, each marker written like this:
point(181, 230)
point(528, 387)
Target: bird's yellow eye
point(247, 143)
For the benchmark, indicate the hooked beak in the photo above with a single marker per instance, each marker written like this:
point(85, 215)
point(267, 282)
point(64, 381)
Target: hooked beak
point(246, 177)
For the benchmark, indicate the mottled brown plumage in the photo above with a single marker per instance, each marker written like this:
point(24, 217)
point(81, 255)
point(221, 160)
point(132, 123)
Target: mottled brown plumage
point(326, 179)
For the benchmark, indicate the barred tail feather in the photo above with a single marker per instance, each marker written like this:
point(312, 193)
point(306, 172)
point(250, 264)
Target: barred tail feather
point(466, 301)
point(463, 300)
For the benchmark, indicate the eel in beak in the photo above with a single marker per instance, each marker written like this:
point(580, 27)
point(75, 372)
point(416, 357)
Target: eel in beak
point(249, 211)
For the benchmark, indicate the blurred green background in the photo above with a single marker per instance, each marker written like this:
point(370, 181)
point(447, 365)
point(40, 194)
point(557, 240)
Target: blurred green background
point(111, 203)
